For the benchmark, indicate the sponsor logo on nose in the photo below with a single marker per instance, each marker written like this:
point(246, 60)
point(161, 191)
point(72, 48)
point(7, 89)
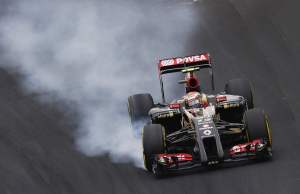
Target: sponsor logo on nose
point(207, 132)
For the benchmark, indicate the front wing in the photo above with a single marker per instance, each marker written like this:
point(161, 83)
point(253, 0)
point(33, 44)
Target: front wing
point(258, 149)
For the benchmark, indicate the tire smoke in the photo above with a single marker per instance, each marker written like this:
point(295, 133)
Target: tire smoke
point(94, 54)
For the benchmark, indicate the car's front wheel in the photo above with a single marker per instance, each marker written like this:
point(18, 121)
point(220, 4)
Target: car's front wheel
point(257, 127)
point(153, 143)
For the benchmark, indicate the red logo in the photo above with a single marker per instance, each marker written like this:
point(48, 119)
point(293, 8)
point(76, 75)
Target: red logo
point(179, 60)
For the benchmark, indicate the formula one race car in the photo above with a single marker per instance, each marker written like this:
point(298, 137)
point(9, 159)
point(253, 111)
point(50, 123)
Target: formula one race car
point(198, 129)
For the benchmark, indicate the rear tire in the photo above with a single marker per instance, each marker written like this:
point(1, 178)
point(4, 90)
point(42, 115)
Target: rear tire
point(138, 108)
point(241, 87)
point(153, 143)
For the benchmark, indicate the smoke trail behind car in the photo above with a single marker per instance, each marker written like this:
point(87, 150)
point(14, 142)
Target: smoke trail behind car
point(93, 54)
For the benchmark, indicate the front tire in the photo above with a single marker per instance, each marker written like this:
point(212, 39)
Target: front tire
point(153, 143)
point(257, 125)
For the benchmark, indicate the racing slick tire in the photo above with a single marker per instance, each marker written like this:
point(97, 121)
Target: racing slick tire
point(257, 127)
point(241, 87)
point(138, 108)
point(153, 143)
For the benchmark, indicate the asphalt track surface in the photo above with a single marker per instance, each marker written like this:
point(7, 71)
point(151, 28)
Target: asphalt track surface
point(254, 39)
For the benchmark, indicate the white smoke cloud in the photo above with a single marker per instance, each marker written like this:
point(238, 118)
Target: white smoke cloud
point(94, 54)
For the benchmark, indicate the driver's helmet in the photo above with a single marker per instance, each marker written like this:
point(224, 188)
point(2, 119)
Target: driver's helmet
point(196, 100)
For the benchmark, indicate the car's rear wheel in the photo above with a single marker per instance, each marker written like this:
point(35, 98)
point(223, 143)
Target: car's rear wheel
point(153, 143)
point(241, 87)
point(138, 108)
point(257, 127)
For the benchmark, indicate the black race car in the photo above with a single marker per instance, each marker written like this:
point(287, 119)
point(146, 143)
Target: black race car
point(198, 129)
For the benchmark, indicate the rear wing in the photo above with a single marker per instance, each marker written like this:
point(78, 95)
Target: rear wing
point(179, 63)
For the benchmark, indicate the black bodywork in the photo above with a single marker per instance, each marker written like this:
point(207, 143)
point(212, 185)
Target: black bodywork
point(200, 129)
